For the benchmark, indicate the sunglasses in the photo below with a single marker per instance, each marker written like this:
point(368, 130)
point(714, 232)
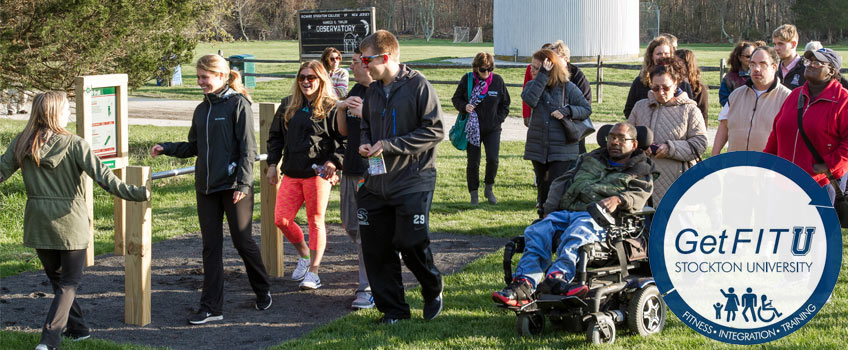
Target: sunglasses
point(746, 56)
point(368, 59)
point(335, 58)
point(659, 88)
point(489, 69)
point(309, 78)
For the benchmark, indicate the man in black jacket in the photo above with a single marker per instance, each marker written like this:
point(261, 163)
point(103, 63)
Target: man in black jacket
point(401, 126)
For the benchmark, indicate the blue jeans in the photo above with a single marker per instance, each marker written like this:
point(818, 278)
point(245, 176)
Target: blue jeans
point(576, 228)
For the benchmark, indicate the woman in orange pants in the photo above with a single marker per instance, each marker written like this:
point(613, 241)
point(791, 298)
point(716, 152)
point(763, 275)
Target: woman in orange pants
point(304, 135)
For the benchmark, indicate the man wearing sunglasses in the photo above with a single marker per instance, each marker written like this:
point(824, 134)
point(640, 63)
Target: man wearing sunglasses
point(617, 177)
point(401, 126)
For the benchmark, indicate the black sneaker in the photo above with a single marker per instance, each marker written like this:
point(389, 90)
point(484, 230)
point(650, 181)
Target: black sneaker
point(433, 308)
point(388, 320)
point(204, 316)
point(263, 302)
point(77, 336)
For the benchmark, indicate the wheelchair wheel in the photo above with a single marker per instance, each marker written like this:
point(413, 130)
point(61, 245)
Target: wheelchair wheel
point(646, 313)
point(530, 324)
point(600, 331)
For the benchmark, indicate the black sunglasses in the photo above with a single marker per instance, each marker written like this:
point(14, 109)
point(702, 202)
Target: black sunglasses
point(307, 77)
point(490, 69)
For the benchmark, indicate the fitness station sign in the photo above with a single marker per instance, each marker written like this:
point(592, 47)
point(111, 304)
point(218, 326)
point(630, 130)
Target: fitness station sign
point(745, 247)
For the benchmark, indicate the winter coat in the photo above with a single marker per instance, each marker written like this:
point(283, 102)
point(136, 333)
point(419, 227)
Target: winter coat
point(639, 91)
point(825, 123)
point(750, 118)
point(546, 136)
point(56, 215)
point(494, 108)
point(679, 124)
point(221, 136)
point(306, 141)
point(408, 124)
point(593, 178)
point(577, 77)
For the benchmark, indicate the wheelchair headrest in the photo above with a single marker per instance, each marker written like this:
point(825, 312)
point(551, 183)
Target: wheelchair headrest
point(644, 136)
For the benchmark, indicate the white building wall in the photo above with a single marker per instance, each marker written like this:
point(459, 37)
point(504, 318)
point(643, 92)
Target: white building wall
point(589, 27)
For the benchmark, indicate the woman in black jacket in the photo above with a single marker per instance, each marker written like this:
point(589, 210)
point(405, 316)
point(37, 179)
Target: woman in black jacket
point(305, 136)
point(221, 137)
point(487, 105)
point(553, 98)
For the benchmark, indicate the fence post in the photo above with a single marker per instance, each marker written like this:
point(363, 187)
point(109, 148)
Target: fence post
point(599, 94)
point(271, 237)
point(721, 70)
point(138, 251)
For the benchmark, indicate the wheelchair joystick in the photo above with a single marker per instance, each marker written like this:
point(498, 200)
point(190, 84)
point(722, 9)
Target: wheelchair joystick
point(601, 216)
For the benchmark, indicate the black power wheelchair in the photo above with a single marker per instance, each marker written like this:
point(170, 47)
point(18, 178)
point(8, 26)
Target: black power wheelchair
point(616, 272)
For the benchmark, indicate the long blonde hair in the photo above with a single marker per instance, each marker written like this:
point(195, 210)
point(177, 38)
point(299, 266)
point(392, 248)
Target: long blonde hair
point(217, 64)
point(324, 102)
point(43, 123)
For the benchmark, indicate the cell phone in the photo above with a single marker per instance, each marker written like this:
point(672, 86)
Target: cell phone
point(654, 147)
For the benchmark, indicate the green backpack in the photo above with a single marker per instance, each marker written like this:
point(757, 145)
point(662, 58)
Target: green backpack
point(457, 132)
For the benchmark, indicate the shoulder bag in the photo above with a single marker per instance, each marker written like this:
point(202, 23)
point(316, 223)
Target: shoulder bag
point(457, 134)
point(575, 130)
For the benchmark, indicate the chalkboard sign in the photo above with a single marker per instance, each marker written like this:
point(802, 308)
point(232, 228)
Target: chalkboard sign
point(342, 29)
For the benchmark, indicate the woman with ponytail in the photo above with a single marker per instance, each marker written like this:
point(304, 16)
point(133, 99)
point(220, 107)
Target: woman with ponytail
point(52, 162)
point(305, 137)
point(221, 137)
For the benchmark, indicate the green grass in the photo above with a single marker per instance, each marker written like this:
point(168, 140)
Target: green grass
point(418, 50)
point(469, 319)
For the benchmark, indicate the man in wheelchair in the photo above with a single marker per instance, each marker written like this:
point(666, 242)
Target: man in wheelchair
point(619, 177)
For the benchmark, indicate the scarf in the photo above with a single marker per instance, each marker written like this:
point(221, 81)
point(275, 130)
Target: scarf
point(478, 93)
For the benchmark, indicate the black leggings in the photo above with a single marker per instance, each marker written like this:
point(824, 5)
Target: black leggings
point(210, 211)
point(492, 143)
point(64, 269)
point(546, 173)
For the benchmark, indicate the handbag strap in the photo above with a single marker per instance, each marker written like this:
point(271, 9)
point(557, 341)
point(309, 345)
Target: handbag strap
point(816, 155)
point(470, 76)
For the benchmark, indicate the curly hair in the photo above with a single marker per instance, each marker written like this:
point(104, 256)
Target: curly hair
point(733, 60)
point(648, 62)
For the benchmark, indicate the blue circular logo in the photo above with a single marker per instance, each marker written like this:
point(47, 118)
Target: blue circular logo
point(745, 247)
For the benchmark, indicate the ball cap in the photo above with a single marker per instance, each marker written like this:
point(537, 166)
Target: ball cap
point(826, 55)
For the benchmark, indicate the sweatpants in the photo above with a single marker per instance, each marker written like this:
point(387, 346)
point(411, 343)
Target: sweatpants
point(546, 173)
point(64, 269)
point(492, 143)
point(210, 211)
point(347, 198)
point(293, 192)
point(388, 226)
point(575, 229)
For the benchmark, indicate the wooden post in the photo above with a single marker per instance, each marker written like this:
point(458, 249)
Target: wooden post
point(271, 236)
point(721, 70)
point(600, 78)
point(120, 212)
point(138, 251)
point(83, 99)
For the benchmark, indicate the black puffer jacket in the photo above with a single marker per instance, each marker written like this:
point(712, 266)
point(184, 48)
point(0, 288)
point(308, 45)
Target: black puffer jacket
point(221, 136)
point(546, 135)
point(408, 124)
point(306, 141)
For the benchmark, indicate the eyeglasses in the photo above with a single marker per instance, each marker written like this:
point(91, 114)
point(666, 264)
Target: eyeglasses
point(335, 58)
point(618, 138)
point(368, 59)
point(309, 78)
point(813, 64)
point(657, 88)
point(488, 69)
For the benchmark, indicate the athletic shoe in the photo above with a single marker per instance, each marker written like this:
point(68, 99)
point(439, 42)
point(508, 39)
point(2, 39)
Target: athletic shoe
point(44, 347)
point(301, 269)
point(388, 320)
point(310, 281)
point(204, 316)
point(76, 336)
point(364, 300)
point(433, 308)
point(263, 302)
point(518, 293)
point(556, 284)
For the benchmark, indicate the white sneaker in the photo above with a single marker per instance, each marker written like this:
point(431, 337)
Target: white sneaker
point(41, 347)
point(301, 269)
point(364, 300)
point(310, 281)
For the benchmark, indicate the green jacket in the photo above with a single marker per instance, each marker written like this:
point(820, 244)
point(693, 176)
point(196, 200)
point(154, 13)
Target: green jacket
point(593, 179)
point(56, 216)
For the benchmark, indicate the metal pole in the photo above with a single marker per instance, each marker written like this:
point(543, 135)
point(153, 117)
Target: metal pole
point(189, 170)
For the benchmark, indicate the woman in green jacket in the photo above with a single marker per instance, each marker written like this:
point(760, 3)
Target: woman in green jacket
point(52, 162)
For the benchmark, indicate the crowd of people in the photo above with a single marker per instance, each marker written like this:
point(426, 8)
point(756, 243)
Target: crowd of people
point(377, 141)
